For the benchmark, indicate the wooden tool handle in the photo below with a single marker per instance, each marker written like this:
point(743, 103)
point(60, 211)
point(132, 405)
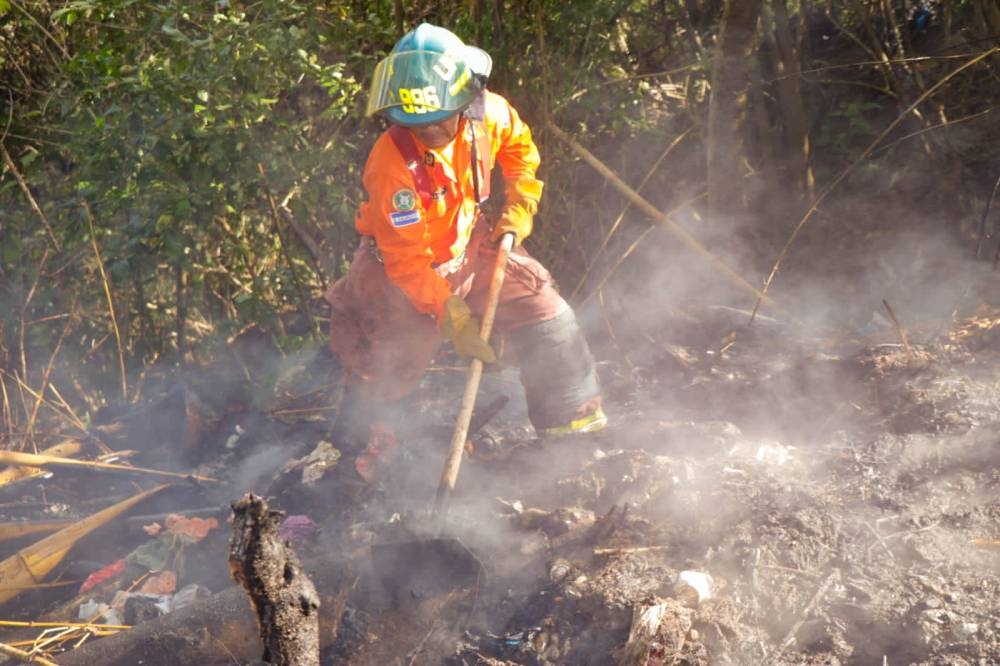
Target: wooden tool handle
point(449, 475)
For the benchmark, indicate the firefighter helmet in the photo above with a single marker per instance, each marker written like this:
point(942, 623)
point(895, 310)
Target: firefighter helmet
point(429, 75)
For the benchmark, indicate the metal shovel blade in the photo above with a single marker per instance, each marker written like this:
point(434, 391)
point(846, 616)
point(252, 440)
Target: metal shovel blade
point(425, 568)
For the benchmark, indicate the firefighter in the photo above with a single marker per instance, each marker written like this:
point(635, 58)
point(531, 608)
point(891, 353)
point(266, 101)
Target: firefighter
point(422, 270)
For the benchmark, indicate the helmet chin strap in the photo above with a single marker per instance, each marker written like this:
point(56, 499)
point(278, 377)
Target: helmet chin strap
point(475, 113)
point(474, 162)
point(476, 110)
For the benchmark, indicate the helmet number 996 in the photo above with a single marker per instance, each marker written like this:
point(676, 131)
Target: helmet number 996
point(419, 100)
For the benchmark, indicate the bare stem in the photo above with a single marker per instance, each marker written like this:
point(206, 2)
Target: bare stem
point(899, 329)
point(45, 380)
point(661, 218)
point(621, 216)
point(843, 174)
point(107, 294)
point(9, 162)
point(25, 657)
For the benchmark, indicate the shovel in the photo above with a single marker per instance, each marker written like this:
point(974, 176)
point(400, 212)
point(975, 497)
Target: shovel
point(431, 566)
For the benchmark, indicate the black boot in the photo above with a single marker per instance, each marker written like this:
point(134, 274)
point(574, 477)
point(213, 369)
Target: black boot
point(559, 376)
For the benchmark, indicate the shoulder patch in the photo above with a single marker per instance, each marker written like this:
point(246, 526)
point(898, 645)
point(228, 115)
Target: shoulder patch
point(404, 199)
point(404, 218)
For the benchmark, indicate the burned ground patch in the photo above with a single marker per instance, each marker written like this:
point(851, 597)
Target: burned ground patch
point(831, 503)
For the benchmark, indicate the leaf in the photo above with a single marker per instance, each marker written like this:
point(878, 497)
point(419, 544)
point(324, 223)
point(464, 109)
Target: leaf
point(192, 529)
point(70, 13)
point(172, 31)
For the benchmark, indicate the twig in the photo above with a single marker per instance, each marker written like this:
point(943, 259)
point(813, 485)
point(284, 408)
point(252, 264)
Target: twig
point(48, 637)
point(10, 115)
point(27, 194)
point(111, 304)
point(982, 227)
point(804, 615)
point(38, 460)
point(778, 567)
point(611, 329)
point(7, 416)
point(22, 346)
point(860, 158)
point(40, 586)
point(630, 550)
point(631, 248)
point(26, 657)
point(599, 289)
point(930, 128)
point(71, 419)
point(621, 216)
point(180, 318)
point(879, 63)
point(76, 420)
point(982, 224)
point(660, 217)
point(33, 624)
point(45, 380)
point(916, 531)
point(754, 602)
point(987, 544)
point(881, 540)
point(899, 329)
point(302, 410)
point(321, 264)
point(276, 220)
point(42, 28)
point(415, 652)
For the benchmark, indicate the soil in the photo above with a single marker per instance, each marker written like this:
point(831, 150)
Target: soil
point(833, 492)
point(844, 510)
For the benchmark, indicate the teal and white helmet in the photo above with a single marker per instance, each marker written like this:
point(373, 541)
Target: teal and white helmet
point(429, 75)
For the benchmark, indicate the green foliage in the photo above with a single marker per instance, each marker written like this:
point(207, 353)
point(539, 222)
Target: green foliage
point(191, 130)
point(197, 132)
point(842, 128)
point(183, 128)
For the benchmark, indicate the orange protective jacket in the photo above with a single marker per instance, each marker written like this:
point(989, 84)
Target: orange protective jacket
point(420, 243)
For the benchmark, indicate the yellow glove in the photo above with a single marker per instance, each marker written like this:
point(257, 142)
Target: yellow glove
point(459, 326)
point(516, 220)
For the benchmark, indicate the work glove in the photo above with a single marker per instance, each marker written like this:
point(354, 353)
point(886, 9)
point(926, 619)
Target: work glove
point(459, 326)
point(515, 220)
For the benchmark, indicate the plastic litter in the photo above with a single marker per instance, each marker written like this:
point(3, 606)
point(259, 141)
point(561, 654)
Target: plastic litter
point(693, 587)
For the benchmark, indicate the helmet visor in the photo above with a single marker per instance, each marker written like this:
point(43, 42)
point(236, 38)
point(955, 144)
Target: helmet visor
point(421, 82)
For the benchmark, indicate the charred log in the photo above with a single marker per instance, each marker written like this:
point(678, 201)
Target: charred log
point(283, 597)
